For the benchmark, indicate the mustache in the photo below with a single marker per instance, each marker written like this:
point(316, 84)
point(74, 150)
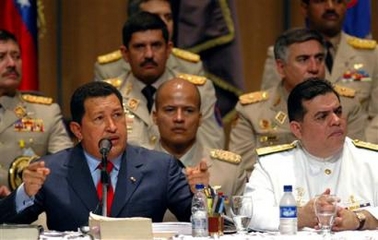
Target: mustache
point(11, 71)
point(148, 61)
point(330, 13)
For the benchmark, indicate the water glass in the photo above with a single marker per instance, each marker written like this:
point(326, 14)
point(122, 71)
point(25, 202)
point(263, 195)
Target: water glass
point(325, 210)
point(241, 212)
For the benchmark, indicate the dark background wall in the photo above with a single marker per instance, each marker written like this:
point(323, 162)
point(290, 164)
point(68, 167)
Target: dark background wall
point(79, 31)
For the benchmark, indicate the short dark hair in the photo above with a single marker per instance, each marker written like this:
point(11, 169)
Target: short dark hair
point(295, 35)
point(141, 22)
point(305, 91)
point(6, 36)
point(134, 6)
point(90, 90)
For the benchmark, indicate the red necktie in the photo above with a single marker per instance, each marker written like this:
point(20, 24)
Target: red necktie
point(110, 195)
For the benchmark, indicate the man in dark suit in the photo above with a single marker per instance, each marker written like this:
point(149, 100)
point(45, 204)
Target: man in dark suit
point(146, 183)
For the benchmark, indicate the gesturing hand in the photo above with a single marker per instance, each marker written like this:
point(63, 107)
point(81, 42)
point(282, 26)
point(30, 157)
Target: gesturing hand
point(197, 174)
point(34, 176)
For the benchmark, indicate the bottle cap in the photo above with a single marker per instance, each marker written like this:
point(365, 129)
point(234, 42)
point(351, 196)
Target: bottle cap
point(288, 188)
point(199, 186)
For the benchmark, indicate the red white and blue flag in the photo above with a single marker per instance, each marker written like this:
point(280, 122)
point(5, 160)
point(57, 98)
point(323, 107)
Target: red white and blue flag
point(20, 18)
point(358, 18)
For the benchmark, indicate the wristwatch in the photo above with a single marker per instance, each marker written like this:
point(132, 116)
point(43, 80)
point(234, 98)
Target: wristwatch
point(361, 218)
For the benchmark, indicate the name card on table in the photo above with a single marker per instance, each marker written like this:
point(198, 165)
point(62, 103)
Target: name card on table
point(120, 228)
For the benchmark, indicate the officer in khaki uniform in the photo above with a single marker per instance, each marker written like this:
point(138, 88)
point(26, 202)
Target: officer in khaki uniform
point(355, 61)
point(30, 125)
point(150, 70)
point(262, 116)
point(178, 116)
point(112, 65)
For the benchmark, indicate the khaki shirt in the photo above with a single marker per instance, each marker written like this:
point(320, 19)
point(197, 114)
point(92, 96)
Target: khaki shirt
point(141, 129)
point(29, 128)
point(372, 131)
point(350, 60)
point(225, 170)
point(265, 122)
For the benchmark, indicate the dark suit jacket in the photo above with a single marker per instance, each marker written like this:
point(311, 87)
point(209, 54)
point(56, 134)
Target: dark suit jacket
point(68, 194)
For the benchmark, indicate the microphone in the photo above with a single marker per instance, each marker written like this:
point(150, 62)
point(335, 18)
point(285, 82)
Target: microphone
point(105, 145)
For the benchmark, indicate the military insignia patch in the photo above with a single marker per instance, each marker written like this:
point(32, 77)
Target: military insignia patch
point(226, 156)
point(130, 117)
point(345, 91)
point(37, 99)
point(280, 117)
point(186, 55)
point(269, 140)
point(29, 125)
point(20, 111)
point(265, 124)
point(253, 97)
point(366, 145)
point(110, 57)
point(362, 43)
point(133, 104)
point(116, 82)
point(195, 79)
point(356, 74)
point(274, 149)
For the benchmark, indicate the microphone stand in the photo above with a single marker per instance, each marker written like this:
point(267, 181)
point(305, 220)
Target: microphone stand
point(105, 183)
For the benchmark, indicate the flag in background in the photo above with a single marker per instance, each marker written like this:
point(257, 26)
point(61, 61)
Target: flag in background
point(358, 18)
point(20, 18)
point(209, 28)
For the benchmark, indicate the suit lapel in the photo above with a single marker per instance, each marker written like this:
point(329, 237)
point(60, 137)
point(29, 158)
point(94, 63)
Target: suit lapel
point(129, 177)
point(80, 179)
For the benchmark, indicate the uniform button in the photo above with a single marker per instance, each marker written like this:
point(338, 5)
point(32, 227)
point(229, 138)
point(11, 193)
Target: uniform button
point(327, 171)
point(153, 139)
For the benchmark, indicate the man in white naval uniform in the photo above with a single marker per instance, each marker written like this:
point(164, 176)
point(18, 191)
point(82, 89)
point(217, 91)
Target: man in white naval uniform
point(146, 48)
point(322, 161)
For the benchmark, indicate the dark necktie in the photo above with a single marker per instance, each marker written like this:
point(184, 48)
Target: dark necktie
point(149, 91)
point(110, 195)
point(329, 58)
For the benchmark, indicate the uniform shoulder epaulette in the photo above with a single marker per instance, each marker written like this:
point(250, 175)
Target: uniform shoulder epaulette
point(344, 91)
point(253, 97)
point(274, 149)
point(226, 156)
point(186, 55)
point(362, 43)
point(116, 82)
point(37, 99)
point(195, 79)
point(367, 145)
point(110, 57)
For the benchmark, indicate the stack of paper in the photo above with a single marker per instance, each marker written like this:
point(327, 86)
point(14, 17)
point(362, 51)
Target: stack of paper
point(120, 228)
point(180, 228)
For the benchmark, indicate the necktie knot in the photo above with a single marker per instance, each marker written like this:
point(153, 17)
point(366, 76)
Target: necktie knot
point(148, 92)
point(109, 167)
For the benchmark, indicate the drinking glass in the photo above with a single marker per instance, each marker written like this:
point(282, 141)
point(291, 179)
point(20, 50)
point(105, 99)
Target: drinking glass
point(241, 212)
point(325, 210)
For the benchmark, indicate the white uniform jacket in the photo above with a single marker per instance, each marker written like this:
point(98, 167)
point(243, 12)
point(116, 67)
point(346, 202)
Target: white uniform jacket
point(351, 175)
